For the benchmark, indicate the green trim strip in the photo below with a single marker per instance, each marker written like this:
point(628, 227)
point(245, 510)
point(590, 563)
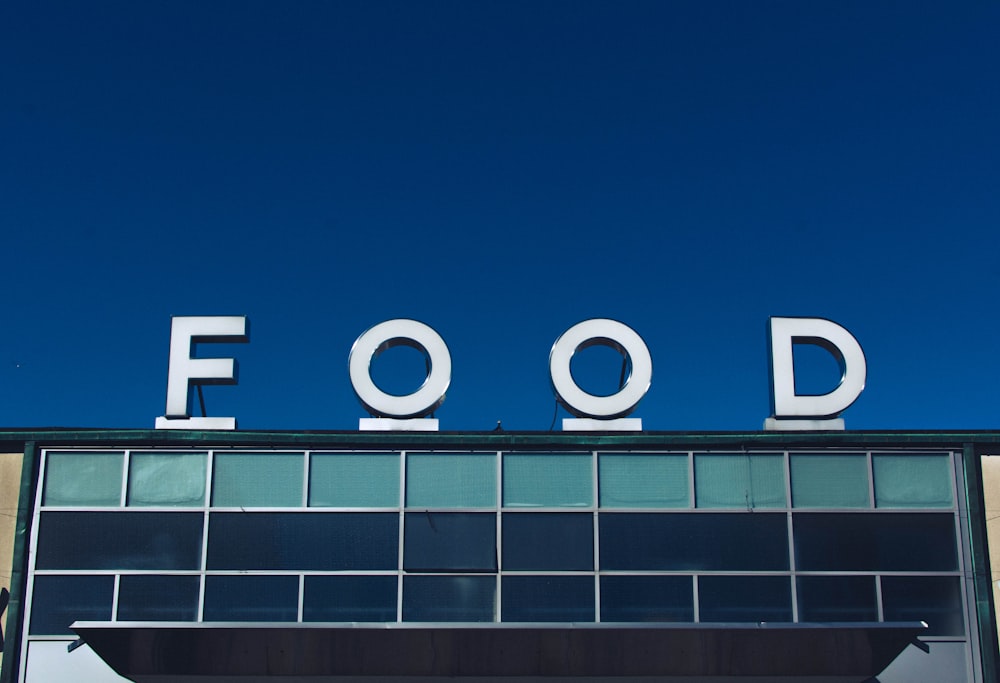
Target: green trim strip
point(981, 576)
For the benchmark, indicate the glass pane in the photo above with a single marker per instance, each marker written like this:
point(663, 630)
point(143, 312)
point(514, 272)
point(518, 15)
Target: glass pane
point(349, 598)
point(450, 541)
point(547, 479)
point(354, 480)
point(934, 599)
point(837, 598)
point(912, 481)
point(174, 479)
point(251, 598)
point(875, 542)
point(303, 540)
point(643, 481)
point(258, 479)
point(58, 601)
point(158, 598)
point(119, 540)
point(449, 598)
point(548, 540)
point(742, 599)
point(739, 480)
point(829, 481)
point(693, 541)
point(85, 479)
point(548, 598)
point(451, 480)
point(647, 598)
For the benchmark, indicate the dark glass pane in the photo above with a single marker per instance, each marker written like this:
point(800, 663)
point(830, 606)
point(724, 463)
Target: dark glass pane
point(58, 601)
point(688, 541)
point(349, 598)
point(548, 541)
point(647, 598)
point(837, 598)
point(875, 542)
point(449, 598)
point(548, 598)
point(450, 541)
point(744, 598)
point(251, 598)
point(119, 540)
point(158, 598)
point(934, 599)
point(301, 540)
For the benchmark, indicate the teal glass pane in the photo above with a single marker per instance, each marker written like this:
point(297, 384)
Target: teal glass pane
point(739, 480)
point(93, 479)
point(820, 480)
point(169, 479)
point(451, 480)
point(547, 479)
point(258, 479)
point(912, 481)
point(643, 481)
point(354, 480)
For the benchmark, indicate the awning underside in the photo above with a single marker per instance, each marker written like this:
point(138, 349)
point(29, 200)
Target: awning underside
point(148, 652)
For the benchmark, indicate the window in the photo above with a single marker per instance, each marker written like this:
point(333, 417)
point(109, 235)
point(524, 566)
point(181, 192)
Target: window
point(450, 541)
point(739, 480)
point(643, 481)
point(830, 481)
point(744, 598)
point(58, 601)
point(647, 598)
point(837, 598)
point(694, 541)
point(548, 598)
point(83, 479)
point(546, 541)
point(258, 480)
point(451, 480)
point(936, 600)
point(449, 598)
point(119, 540)
point(875, 542)
point(167, 479)
point(354, 480)
point(251, 598)
point(158, 598)
point(912, 481)
point(303, 540)
point(547, 480)
point(349, 598)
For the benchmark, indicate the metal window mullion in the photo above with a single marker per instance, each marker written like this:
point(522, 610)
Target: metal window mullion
point(695, 602)
point(305, 478)
point(126, 459)
point(302, 593)
point(207, 502)
point(871, 480)
point(878, 597)
point(786, 464)
point(597, 540)
point(114, 597)
point(692, 502)
point(498, 601)
point(399, 547)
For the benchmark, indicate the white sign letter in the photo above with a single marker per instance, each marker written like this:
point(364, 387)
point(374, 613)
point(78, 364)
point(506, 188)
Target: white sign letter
point(599, 412)
point(791, 411)
point(184, 371)
point(423, 401)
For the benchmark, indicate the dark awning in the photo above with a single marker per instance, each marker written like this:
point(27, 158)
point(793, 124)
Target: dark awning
point(151, 652)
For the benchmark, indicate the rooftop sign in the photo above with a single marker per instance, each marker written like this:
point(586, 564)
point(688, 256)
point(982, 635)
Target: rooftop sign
point(789, 410)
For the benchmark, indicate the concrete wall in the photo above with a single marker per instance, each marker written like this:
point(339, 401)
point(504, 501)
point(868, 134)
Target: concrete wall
point(10, 485)
point(991, 494)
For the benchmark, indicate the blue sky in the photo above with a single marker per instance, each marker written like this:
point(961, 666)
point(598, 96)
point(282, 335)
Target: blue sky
point(500, 171)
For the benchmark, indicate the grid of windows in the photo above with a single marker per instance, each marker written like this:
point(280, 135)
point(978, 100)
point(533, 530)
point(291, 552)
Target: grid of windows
point(236, 535)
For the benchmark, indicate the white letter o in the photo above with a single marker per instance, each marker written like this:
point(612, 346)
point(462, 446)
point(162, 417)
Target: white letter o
point(400, 332)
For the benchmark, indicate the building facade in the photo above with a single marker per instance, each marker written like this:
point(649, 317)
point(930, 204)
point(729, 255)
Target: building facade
point(248, 556)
